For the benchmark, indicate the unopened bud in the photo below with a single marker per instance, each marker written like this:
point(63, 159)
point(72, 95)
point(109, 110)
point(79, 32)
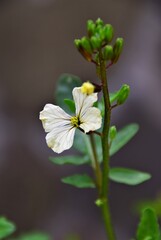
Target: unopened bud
point(99, 22)
point(95, 42)
point(90, 27)
point(108, 52)
point(117, 49)
point(112, 133)
point(108, 32)
point(83, 52)
point(87, 88)
point(86, 44)
point(123, 94)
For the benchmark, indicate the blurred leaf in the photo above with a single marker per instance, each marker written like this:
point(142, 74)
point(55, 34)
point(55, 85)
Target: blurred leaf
point(76, 160)
point(71, 104)
point(72, 237)
point(6, 227)
point(128, 176)
point(123, 137)
point(113, 96)
point(34, 236)
point(65, 85)
point(79, 181)
point(148, 228)
point(80, 142)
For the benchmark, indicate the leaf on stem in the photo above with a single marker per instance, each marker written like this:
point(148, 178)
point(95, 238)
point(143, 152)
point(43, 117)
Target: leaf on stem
point(128, 176)
point(71, 104)
point(6, 227)
point(148, 228)
point(65, 85)
point(123, 137)
point(79, 181)
point(75, 160)
point(34, 236)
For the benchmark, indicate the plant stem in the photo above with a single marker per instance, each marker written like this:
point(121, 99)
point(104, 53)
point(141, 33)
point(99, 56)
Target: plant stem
point(105, 151)
point(97, 169)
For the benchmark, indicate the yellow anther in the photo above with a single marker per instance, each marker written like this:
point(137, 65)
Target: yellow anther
point(87, 88)
point(74, 121)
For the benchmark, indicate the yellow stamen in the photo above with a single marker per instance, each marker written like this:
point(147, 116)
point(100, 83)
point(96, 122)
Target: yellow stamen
point(75, 121)
point(87, 88)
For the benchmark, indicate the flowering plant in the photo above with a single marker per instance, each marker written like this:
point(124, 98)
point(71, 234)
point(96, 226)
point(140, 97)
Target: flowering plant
point(87, 127)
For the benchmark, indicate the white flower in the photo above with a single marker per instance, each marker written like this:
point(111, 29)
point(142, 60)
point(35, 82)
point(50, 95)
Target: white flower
point(61, 127)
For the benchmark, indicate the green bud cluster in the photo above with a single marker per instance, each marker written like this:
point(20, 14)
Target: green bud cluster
point(99, 37)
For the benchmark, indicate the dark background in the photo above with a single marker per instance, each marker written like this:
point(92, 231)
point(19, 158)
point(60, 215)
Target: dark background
point(36, 46)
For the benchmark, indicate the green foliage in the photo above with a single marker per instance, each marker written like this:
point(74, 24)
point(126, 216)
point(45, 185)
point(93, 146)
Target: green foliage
point(121, 95)
point(65, 85)
point(71, 104)
point(34, 236)
point(112, 133)
point(148, 228)
point(128, 176)
point(75, 160)
point(79, 181)
point(72, 237)
point(6, 227)
point(123, 137)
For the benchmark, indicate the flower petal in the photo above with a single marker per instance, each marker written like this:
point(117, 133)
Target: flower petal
point(82, 100)
point(60, 139)
point(91, 119)
point(53, 116)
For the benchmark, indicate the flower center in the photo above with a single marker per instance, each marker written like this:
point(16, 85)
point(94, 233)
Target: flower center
point(75, 121)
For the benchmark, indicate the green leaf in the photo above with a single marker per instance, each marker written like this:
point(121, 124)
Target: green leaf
point(70, 104)
point(6, 227)
point(128, 176)
point(65, 85)
point(34, 236)
point(123, 137)
point(76, 160)
point(80, 142)
point(148, 228)
point(79, 181)
point(113, 96)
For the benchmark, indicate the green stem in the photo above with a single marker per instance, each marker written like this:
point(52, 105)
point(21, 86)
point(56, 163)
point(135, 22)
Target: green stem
point(105, 151)
point(97, 169)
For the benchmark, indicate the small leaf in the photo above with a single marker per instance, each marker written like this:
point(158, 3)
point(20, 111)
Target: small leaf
point(6, 227)
point(113, 96)
point(34, 236)
point(70, 104)
point(123, 137)
point(75, 160)
point(128, 176)
point(65, 85)
point(148, 228)
point(79, 181)
point(79, 142)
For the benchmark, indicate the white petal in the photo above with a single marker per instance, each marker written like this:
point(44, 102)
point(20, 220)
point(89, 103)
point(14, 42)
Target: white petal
point(82, 100)
point(91, 119)
point(60, 139)
point(53, 116)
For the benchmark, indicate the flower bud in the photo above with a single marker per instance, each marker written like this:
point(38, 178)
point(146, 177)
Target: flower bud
point(83, 52)
point(108, 52)
point(112, 133)
point(117, 49)
point(99, 22)
point(95, 42)
point(86, 44)
point(108, 32)
point(90, 27)
point(123, 94)
point(87, 88)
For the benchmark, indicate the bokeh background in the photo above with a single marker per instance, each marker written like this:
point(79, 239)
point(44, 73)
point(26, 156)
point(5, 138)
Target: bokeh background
point(36, 46)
